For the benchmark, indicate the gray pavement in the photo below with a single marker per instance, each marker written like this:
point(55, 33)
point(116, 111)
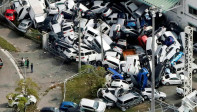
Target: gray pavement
point(48, 69)
point(8, 78)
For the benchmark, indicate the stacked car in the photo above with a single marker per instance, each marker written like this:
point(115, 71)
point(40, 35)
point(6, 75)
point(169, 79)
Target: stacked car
point(122, 31)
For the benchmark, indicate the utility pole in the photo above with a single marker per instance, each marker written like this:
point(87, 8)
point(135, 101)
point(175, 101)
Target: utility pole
point(79, 65)
point(153, 64)
point(101, 40)
point(153, 10)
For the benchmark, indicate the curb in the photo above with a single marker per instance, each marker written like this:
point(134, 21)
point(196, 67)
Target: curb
point(13, 62)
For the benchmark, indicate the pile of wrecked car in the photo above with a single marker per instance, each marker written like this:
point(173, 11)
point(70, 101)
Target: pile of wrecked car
point(125, 32)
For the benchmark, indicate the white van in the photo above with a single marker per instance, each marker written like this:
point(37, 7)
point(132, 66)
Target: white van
point(105, 28)
point(97, 44)
point(107, 39)
point(132, 65)
point(89, 31)
point(111, 62)
point(149, 45)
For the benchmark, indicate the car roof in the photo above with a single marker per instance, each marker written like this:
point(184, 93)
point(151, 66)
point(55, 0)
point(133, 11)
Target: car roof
point(67, 103)
point(127, 96)
point(10, 10)
point(87, 102)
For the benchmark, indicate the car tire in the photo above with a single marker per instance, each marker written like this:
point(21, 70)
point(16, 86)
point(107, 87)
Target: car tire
point(106, 66)
point(177, 50)
point(14, 106)
point(145, 97)
point(32, 103)
point(93, 62)
point(161, 98)
point(194, 71)
point(98, 63)
point(167, 83)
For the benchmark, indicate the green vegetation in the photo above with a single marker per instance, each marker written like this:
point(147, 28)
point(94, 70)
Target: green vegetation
point(86, 84)
point(31, 89)
point(34, 35)
point(6, 45)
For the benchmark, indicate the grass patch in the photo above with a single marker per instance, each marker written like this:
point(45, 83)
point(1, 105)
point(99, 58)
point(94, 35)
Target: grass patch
point(85, 85)
point(6, 45)
point(34, 35)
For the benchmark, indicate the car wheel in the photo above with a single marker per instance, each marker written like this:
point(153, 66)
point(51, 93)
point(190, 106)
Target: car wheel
point(93, 62)
point(161, 98)
point(177, 50)
point(194, 71)
point(106, 66)
point(167, 84)
point(98, 63)
point(32, 103)
point(145, 97)
point(15, 106)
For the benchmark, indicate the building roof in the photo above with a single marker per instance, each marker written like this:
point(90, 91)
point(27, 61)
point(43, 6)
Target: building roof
point(163, 4)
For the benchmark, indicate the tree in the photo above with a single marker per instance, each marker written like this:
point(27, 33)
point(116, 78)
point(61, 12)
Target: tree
point(30, 88)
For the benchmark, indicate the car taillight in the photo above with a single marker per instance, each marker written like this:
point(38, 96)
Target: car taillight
point(64, 32)
point(104, 14)
point(76, 57)
point(117, 31)
point(71, 30)
point(82, 57)
point(162, 80)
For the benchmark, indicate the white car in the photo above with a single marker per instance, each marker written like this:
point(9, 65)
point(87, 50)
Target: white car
point(89, 31)
point(67, 31)
point(117, 49)
point(171, 51)
point(104, 28)
point(117, 83)
point(92, 105)
point(111, 62)
point(171, 79)
point(14, 102)
point(132, 65)
point(179, 67)
point(25, 25)
point(89, 56)
point(53, 9)
point(70, 53)
point(109, 95)
point(98, 6)
point(115, 31)
point(146, 93)
point(106, 12)
point(113, 54)
point(88, 40)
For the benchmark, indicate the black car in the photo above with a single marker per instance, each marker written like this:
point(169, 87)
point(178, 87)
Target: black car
point(46, 25)
point(49, 109)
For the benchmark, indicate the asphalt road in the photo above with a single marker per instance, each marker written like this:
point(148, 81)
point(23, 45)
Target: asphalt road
point(8, 78)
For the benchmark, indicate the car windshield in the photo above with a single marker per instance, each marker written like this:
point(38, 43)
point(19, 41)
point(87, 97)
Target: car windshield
point(66, 28)
point(68, 50)
point(23, 24)
point(9, 14)
point(96, 105)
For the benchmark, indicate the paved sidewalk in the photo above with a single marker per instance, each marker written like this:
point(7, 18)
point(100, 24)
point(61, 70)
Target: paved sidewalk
point(48, 69)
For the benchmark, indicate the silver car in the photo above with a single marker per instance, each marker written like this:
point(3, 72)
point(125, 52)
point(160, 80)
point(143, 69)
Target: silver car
point(25, 25)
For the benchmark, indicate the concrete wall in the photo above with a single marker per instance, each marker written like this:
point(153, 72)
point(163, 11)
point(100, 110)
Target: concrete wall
point(183, 18)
